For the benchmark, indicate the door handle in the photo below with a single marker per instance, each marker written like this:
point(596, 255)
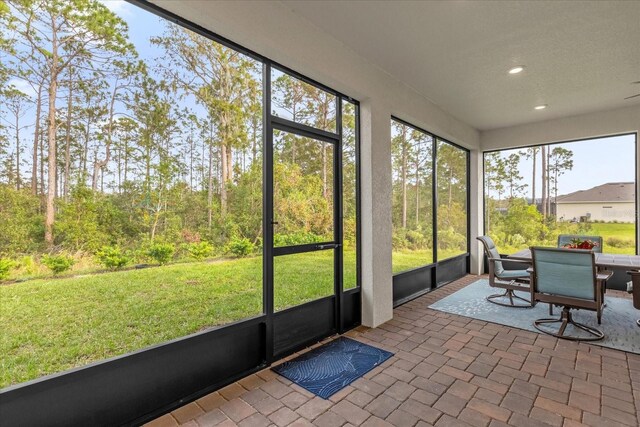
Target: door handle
point(329, 246)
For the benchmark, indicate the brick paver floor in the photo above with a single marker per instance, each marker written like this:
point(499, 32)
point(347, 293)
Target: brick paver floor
point(447, 370)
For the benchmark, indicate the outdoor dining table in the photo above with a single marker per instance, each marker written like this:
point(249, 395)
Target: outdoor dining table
point(617, 261)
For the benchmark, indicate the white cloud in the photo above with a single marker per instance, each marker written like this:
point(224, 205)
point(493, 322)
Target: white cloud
point(23, 87)
point(119, 7)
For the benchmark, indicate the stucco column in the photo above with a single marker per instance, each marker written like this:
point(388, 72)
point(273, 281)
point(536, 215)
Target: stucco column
point(476, 210)
point(375, 215)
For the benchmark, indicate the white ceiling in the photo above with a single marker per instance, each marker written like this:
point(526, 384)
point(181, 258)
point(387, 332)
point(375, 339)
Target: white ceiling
point(580, 57)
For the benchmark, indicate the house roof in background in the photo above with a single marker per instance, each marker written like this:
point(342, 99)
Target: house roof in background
point(609, 192)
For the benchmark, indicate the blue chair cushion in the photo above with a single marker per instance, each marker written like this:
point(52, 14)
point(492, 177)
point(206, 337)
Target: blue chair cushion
point(492, 252)
point(512, 274)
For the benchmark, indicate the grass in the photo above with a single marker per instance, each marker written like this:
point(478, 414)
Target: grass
point(50, 325)
point(624, 233)
point(403, 260)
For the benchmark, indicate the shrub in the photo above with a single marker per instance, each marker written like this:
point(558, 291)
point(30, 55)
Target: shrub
point(112, 258)
point(518, 240)
point(161, 252)
point(240, 247)
point(5, 266)
point(200, 250)
point(296, 238)
point(57, 263)
point(619, 242)
point(450, 239)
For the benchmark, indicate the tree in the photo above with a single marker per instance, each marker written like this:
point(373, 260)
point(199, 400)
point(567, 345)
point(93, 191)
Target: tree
point(17, 103)
point(289, 96)
point(513, 177)
point(218, 79)
point(123, 81)
point(62, 33)
point(560, 162)
point(321, 110)
point(532, 153)
point(494, 178)
point(545, 181)
point(400, 149)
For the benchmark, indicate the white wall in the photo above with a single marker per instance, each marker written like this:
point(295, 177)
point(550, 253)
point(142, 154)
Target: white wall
point(622, 120)
point(604, 123)
point(616, 211)
point(273, 30)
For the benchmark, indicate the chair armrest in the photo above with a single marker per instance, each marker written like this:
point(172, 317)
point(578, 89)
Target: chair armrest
point(509, 260)
point(604, 275)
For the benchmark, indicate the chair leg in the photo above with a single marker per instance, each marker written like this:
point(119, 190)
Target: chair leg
point(550, 309)
point(565, 320)
point(508, 293)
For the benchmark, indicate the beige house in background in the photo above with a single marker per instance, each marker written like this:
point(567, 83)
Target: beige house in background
point(614, 201)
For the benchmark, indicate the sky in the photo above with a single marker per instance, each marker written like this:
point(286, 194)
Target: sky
point(595, 161)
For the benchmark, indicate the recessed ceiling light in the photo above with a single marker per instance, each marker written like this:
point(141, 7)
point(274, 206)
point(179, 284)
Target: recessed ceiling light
point(516, 70)
point(540, 107)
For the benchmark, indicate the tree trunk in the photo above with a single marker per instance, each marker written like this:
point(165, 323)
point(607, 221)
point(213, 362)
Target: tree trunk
point(403, 177)
point(85, 155)
point(533, 180)
point(210, 189)
point(126, 159)
point(67, 147)
point(549, 182)
point(98, 166)
point(51, 132)
point(36, 135)
point(555, 191)
point(42, 157)
point(18, 149)
point(417, 192)
point(324, 170)
point(543, 156)
point(223, 180)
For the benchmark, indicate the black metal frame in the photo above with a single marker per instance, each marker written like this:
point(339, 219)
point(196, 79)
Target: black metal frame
point(139, 386)
point(309, 319)
point(635, 135)
point(410, 284)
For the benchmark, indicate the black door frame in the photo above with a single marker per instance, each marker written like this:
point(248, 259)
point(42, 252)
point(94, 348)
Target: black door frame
point(317, 310)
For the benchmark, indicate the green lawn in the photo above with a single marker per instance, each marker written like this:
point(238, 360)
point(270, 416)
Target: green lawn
point(618, 239)
point(403, 260)
point(624, 233)
point(56, 324)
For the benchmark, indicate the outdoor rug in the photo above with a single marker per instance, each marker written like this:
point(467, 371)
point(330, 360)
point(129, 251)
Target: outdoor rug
point(327, 369)
point(618, 318)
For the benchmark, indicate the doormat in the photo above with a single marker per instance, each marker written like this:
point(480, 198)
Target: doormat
point(327, 369)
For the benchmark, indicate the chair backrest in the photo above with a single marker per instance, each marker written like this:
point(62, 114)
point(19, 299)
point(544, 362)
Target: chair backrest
point(492, 252)
point(635, 279)
point(565, 239)
point(564, 272)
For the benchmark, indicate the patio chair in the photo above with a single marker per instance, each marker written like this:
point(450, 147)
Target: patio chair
point(564, 239)
point(567, 278)
point(509, 280)
point(634, 289)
